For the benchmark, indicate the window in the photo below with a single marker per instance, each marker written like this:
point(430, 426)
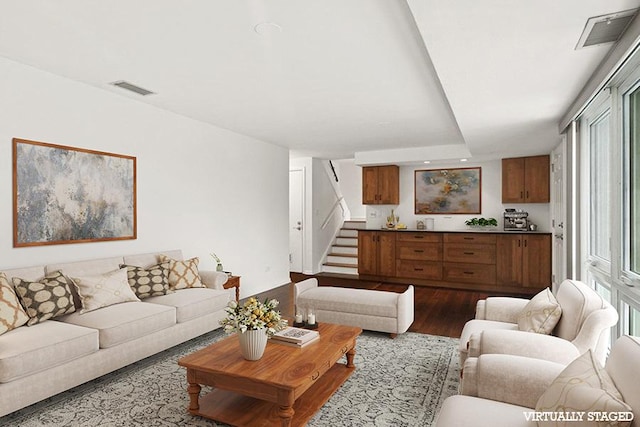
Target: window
point(633, 196)
point(599, 218)
point(630, 320)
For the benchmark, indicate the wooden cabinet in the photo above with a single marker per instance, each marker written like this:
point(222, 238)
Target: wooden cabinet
point(469, 258)
point(376, 253)
point(524, 260)
point(380, 185)
point(525, 179)
point(419, 255)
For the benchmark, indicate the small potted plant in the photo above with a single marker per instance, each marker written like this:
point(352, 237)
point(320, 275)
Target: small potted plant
point(481, 222)
point(218, 262)
point(253, 322)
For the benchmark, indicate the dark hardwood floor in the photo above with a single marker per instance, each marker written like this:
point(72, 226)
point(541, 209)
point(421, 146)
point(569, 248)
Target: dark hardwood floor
point(437, 311)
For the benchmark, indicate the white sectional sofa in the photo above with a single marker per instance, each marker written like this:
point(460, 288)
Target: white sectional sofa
point(47, 358)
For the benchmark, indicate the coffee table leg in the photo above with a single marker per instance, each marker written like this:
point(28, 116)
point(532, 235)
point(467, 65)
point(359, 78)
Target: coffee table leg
point(350, 355)
point(194, 392)
point(285, 414)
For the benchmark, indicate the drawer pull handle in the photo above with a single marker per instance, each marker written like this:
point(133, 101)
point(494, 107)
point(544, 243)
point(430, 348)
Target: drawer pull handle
point(468, 253)
point(418, 237)
point(418, 251)
point(469, 238)
point(418, 269)
point(468, 272)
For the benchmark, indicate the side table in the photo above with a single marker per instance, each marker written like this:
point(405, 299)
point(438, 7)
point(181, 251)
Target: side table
point(233, 282)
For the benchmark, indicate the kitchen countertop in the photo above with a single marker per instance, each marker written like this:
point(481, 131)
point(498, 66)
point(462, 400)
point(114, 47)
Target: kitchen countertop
point(492, 230)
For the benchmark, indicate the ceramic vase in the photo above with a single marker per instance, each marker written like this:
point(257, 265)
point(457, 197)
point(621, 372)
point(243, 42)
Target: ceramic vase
point(252, 343)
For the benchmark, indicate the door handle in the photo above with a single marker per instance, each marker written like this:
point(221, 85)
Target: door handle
point(559, 236)
point(297, 228)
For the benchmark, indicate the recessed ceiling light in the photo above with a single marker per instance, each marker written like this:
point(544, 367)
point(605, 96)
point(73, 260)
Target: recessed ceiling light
point(265, 28)
point(427, 162)
point(133, 88)
point(463, 160)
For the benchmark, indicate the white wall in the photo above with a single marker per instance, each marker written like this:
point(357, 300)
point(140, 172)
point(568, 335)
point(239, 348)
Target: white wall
point(350, 176)
point(200, 188)
point(492, 207)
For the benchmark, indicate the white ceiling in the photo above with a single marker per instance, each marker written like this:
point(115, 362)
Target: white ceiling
point(488, 77)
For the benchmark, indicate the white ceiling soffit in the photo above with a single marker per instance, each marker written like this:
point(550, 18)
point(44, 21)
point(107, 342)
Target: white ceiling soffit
point(329, 78)
point(448, 153)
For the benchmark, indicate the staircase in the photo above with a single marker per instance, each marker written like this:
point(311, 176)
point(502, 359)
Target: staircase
point(343, 255)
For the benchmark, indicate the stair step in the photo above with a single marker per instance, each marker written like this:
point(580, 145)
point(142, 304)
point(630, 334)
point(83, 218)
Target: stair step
point(348, 232)
point(350, 241)
point(344, 250)
point(339, 269)
point(340, 264)
point(342, 259)
point(342, 255)
point(355, 225)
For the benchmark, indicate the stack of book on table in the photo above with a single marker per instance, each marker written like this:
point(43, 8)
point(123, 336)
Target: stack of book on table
point(295, 337)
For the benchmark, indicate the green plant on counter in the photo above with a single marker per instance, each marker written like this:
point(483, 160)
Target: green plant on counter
point(482, 222)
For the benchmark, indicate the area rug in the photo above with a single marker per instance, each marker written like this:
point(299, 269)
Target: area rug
point(397, 382)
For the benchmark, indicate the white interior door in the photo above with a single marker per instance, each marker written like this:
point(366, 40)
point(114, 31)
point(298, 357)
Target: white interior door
point(558, 215)
point(296, 212)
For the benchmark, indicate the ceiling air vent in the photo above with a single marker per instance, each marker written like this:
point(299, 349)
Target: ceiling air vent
point(132, 88)
point(605, 28)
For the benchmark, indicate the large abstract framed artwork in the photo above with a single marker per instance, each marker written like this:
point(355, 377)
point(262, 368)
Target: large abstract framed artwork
point(448, 191)
point(71, 195)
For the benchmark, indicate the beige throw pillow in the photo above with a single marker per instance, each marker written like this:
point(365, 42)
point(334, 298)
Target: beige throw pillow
point(103, 290)
point(45, 299)
point(183, 274)
point(12, 314)
point(583, 386)
point(541, 314)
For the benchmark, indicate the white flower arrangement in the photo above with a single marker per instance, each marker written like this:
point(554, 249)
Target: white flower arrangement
point(253, 315)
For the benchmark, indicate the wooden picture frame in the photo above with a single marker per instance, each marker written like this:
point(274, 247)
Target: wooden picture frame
point(71, 195)
point(448, 191)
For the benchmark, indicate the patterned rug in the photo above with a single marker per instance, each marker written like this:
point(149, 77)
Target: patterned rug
point(399, 382)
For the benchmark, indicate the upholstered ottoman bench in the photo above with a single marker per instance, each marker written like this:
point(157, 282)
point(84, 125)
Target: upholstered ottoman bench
point(380, 311)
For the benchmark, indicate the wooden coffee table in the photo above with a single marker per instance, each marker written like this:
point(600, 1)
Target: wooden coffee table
point(286, 387)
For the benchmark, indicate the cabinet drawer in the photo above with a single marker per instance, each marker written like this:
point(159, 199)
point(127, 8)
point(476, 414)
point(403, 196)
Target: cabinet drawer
point(419, 251)
point(467, 273)
point(470, 253)
point(470, 238)
point(419, 269)
point(419, 237)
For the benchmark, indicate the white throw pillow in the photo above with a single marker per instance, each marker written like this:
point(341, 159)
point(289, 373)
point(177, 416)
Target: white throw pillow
point(541, 314)
point(103, 290)
point(583, 386)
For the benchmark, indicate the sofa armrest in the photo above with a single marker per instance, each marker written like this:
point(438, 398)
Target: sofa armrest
point(213, 279)
point(511, 379)
point(520, 343)
point(303, 286)
point(405, 310)
point(500, 309)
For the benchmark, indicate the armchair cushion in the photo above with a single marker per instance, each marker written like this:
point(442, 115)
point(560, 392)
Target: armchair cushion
point(518, 343)
point(582, 386)
point(541, 314)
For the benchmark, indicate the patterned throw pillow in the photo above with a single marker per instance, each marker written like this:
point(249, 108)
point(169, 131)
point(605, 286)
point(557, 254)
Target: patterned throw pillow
point(103, 290)
point(183, 274)
point(12, 314)
point(45, 299)
point(541, 314)
point(149, 282)
point(583, 386)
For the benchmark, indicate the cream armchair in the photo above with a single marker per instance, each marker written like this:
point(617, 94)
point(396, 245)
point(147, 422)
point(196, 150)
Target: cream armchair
point(585, 324)
point(500, 390)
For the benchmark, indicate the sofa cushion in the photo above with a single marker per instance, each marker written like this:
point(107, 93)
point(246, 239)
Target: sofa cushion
point(541, 314)
point(349, 300)
point(463, 411)
point(12, 314)
point(124, 322)
point(103, 290)
point(477, 325)
point(25, 351)
point(193, 303)
point(183, 274)
point(45, 299)
point(582, 386)
point(150, 281)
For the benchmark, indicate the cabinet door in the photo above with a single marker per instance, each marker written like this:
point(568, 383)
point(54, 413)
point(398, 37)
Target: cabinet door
point(387, 253)
point(513, 180)
point(536, 179)
point(369, 185)
point(536, 261)
point(509, 260)
point(367, 253)
point(388, 185)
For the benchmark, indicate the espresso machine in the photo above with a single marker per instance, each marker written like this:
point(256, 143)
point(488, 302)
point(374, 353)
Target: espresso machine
point(515, 220)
